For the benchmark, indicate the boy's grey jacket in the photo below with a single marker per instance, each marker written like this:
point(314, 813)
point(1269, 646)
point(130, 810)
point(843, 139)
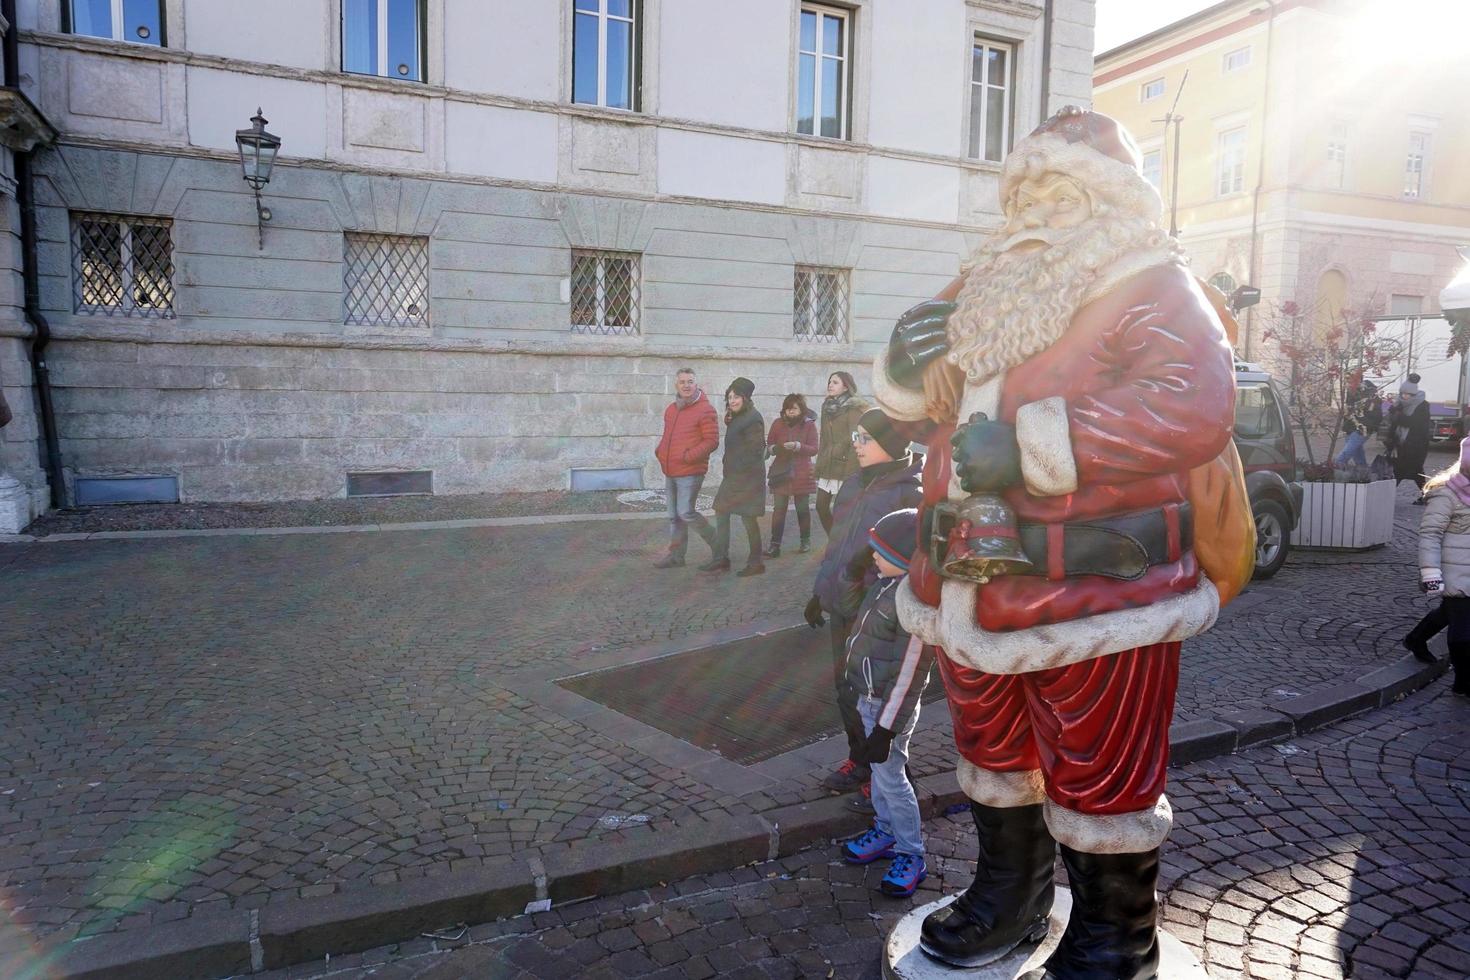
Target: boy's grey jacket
point(1444, 540)
point(883, 661)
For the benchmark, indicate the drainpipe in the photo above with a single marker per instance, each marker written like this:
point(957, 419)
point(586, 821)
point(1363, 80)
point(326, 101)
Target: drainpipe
point(1250, 317)
point(25, 196)
point(1046, 16)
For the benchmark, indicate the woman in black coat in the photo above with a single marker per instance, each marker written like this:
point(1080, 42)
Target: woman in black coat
point(743, 489)
point(1408, 433)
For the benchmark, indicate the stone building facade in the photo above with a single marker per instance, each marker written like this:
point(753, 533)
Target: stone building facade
point(1321, 144)
point(488, 261)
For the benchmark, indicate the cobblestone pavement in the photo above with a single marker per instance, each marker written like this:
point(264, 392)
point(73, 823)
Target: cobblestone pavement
point(1341, 854)
point(201, 723)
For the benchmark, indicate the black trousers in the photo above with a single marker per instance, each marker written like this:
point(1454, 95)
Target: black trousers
point(852, 722)
point(721, 544)
point(824, 510)
point(778, 516)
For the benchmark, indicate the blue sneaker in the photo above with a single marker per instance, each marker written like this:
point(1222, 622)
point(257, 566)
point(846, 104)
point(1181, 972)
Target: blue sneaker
point(904, 875)
point(871, 846)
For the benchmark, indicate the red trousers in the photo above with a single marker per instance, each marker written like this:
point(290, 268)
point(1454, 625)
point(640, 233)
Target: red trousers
point(1098, 730)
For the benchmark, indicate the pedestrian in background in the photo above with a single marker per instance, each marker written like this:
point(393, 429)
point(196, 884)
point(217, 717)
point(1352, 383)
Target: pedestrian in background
point(691, 434)
point(1444, 558)
point(836, 460)
point(743, 489)
point(1408, 434)
point(792, 443)
point(887, 480)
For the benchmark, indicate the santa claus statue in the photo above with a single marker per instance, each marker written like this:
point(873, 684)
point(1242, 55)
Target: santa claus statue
point(1083, 392)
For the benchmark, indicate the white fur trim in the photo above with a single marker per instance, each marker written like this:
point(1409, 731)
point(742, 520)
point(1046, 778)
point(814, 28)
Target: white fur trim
point(1113, 833)
point(1044, 434)
point(896, 401)
point(990, 788)
point(952, 626)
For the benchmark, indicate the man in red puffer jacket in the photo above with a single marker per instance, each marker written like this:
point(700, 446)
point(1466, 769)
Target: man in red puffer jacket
point(691, 435)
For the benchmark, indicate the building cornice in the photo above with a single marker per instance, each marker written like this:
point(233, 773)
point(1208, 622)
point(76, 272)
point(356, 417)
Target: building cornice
point(23, 127)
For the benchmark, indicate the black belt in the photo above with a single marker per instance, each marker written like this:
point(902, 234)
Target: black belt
point(1123, 547)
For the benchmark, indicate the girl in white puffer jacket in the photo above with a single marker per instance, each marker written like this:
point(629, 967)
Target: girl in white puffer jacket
point(1444, 557)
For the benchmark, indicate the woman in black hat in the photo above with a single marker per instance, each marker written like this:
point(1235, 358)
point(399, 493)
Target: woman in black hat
point(743, 488)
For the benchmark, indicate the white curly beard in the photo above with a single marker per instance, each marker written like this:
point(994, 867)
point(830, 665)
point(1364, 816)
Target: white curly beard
point(1015, 304)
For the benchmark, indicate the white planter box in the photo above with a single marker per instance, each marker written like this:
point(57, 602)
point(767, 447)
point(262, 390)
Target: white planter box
point(1345, 515)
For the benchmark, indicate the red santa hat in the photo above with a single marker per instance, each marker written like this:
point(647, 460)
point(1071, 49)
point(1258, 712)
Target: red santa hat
point(1092, 149)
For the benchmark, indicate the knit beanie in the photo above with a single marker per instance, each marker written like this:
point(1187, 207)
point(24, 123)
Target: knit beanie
point(882, 428)
point(895, 536)
point(1465, 455)
point(1409, 387)
point(744, 387)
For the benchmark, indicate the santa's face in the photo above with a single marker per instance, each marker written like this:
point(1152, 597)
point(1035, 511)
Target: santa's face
point(1044, 210)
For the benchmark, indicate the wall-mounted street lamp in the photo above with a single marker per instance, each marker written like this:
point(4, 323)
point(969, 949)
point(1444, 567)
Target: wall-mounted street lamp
point(257, 156)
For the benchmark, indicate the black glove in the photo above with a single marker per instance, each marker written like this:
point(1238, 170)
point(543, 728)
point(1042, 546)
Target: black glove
point(918, 338)
point(813, 613)
point(875, 747)
point(986, 455)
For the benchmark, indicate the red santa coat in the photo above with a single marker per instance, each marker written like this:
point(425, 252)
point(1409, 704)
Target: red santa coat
point(1138, 391)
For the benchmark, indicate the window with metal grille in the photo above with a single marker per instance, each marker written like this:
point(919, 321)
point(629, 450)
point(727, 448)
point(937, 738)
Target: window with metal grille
point(386, 280)
point(605, 292)
point(820, 305)
point(122, 265)
point(138, 21)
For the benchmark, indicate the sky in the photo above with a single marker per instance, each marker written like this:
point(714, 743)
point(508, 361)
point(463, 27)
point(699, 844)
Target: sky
point(1120, 21)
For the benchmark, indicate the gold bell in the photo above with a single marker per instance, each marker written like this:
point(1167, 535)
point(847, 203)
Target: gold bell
point(981, 541)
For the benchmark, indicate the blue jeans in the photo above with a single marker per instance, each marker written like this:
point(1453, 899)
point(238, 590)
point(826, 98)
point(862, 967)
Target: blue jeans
point(683, 496)
point(895, 806)
point(1352, 450)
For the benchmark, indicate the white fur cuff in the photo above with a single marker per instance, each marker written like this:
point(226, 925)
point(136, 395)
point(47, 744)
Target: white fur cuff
point(1001, 789)
point(1043, 432)
point(896, 401)
point(1119, 833)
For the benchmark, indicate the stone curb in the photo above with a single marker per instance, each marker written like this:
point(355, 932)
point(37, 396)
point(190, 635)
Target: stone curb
point(221, 532)
point(299, 930)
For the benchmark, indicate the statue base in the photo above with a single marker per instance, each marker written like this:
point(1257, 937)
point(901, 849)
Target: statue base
point(15, 505)
point(903, 960)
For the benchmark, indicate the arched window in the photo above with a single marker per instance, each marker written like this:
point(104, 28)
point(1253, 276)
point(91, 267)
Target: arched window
point(1224, 282)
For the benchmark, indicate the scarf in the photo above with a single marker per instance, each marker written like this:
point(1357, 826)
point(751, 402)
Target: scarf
point(685, 403)
point(870, 473)
point(833, 406)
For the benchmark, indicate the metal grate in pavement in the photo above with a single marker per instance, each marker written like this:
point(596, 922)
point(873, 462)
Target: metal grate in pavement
point(749, 701)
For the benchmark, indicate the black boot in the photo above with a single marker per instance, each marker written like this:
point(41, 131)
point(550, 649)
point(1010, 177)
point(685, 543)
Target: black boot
point(774, 551)
point(1112, 932)
point(1460, 661)
point(1011, 897)
point(1417, 642)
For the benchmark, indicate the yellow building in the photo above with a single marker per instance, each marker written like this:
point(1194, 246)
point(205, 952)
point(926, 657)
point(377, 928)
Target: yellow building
point(1325, 147)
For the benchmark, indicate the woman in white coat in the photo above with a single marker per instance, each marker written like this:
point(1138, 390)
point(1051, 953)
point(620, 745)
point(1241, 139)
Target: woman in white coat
point(1444, 557)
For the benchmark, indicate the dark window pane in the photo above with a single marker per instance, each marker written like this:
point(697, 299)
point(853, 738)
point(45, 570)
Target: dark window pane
point(360, 36)
point(806, 93)
point(977, 64)
point(995, 114)
point(831, 35)
point(997, 66)
point(403, 39)
point(620, 8)
point(92, 17)
point(152, 267)
point(808, 31)
point(584, 59)
point(618, 286)
point(141, 21)
point(101, 263)
point(831, 97)
point(977, 120)
point(584, 291)
point(619, 64)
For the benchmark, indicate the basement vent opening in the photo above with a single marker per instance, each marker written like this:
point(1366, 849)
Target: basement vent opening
point(390, 483)
point(93, 491)
point(623, 478)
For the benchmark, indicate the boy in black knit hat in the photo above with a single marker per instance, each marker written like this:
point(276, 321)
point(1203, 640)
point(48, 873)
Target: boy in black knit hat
point(887, 671)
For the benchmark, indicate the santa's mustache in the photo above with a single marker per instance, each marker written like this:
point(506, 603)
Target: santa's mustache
point(1046, 236)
